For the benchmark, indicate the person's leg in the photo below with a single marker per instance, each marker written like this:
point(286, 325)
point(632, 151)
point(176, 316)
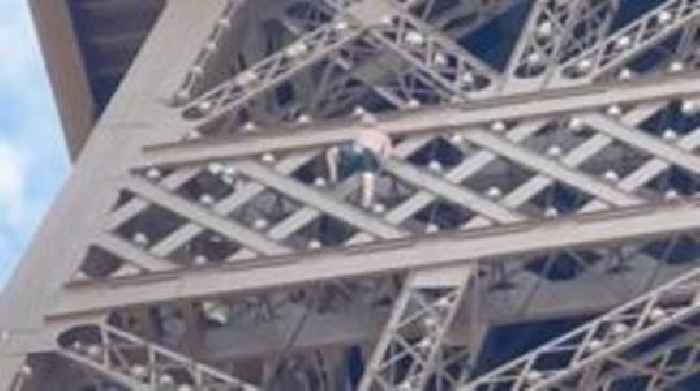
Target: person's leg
point(369, 175)
point(368, 182)
point(332, 163)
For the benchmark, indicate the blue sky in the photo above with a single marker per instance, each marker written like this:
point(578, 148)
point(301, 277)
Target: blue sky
point(33, 159)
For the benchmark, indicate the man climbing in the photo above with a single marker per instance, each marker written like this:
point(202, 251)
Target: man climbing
point(365, 154)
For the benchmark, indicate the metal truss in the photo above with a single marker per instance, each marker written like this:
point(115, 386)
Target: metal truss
point(628, 42)
point(409, 350)
point(310, 48)
point(142, 365)
point(440, 119)
point(554, 31)
point(439, 57)
point(475, 187)
point(577, 359)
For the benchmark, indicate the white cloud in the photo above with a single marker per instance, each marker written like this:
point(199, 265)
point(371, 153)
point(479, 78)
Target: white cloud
point(12, 185)
point(30, 136)
point(17, 52)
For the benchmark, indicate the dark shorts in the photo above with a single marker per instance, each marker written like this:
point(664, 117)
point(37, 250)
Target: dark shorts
point(353, 161)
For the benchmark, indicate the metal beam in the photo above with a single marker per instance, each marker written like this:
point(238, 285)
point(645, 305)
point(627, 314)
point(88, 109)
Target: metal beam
point(146, 364)
point(415, 333)
point(323, 202)
point(588, 347)
point(552, 168)
point(309, 49)
point(202, 216)
point(643, 141)
point(444, 118)
point(387, 256)
point(646, 31)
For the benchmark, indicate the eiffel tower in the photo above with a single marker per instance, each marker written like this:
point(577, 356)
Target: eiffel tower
point(536, 227)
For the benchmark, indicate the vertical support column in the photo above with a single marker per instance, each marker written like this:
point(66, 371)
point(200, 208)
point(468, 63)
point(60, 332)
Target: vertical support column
point(408, 351)
point(77, 216)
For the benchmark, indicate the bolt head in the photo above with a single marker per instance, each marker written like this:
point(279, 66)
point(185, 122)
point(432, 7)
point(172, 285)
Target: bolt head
point(205, 106)
point(138, 371)
point(676, 66)
point(304, 119)
point(534, 58)
point(671, 194)
point(457, 138)
point(575, 124)
point(619, 329)
point(268, 157)
point(614, 110)
point(669, 135)
point(200, 260)
point(140, 239)
point(657, 314)
point(554, 151)
point(611, 176)
point(368, 118)
point(378, 208)
point(193, 135)
point(623, 42)
point(314, 244)
point(689, 107)
point(498, 126)
point(432, 228)
point(468, 78)
point(260, 224)
point(215, 168)
point(224, 23)
point(206, 199)
point(664, 17)
point(435, 165)
point(94, 351)
point(494, 192)
point(197, 70)
point(551, 212)
point(625, 74)
point(211, 47)
point(440, 59)
point(166, 379)
point(595, 344)
point(415, 38)
point(584, 65)
point(545, 29)
point(153, 173)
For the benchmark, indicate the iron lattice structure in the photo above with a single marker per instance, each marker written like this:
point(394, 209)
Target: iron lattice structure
point(536, 228)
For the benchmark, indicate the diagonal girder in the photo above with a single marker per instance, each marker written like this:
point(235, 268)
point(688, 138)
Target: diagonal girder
point(555, 29)
point(644, 142)
point(415, 332)
point(639, 36)
point(663, 366)
point(387, 256)
point(310, 48)
point(148, 366)
point(556, 102)
point(319, 200)
point(437, 55)
point(205, 218)
point(590, 345)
